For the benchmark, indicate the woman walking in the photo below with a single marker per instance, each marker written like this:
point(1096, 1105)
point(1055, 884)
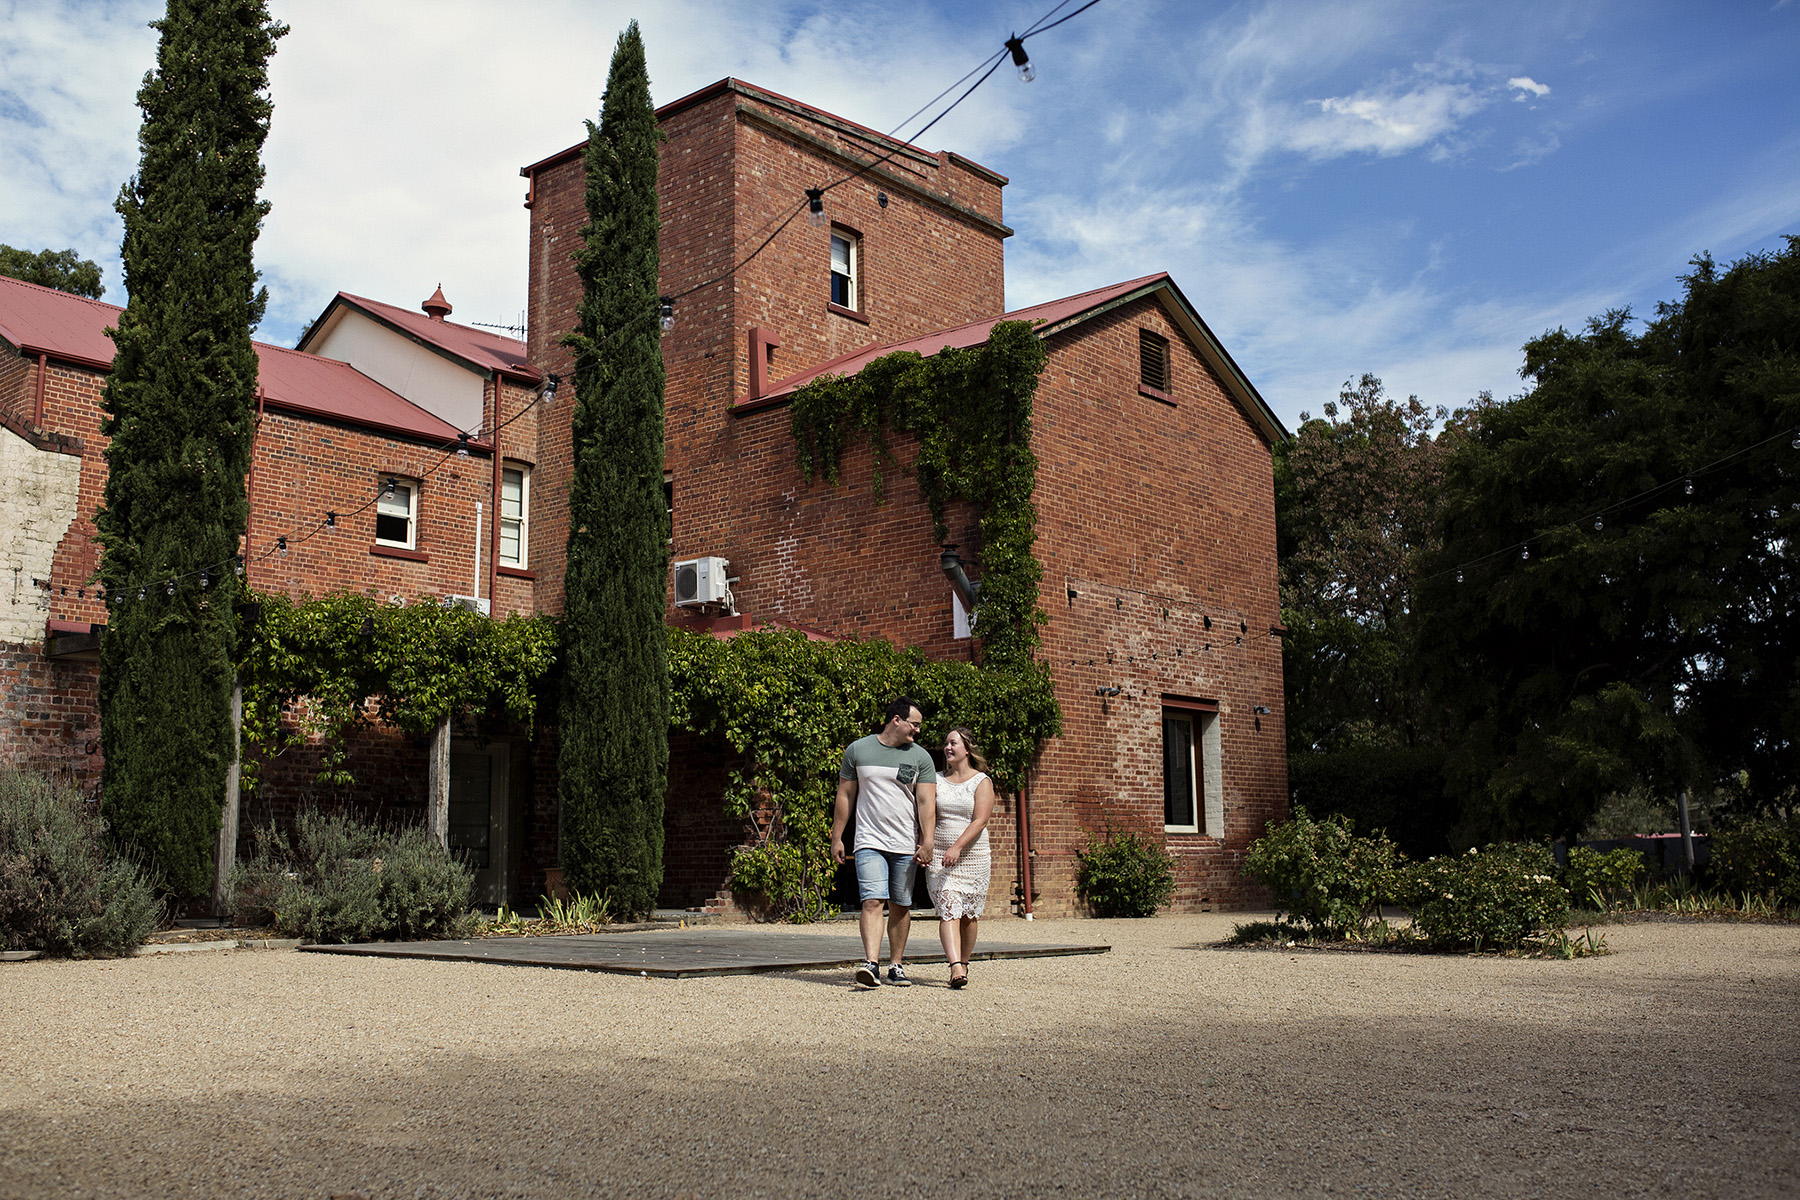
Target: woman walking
point(960, 861)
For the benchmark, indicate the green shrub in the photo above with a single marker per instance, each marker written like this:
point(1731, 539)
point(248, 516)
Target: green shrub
point(337, 879)
point(1124, 876)
point(1492, 898)
point(1322, 874)
point(1601, 880)
point(1759, 858)
point(59, 893)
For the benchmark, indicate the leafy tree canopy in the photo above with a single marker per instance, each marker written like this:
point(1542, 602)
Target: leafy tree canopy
point(1613, 601)
point(64, 270)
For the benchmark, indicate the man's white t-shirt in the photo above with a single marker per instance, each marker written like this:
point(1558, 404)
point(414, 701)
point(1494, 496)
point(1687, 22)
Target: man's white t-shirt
point(887, 781)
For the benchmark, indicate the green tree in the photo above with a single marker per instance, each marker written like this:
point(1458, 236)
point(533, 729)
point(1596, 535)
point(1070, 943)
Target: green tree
point(179, 408)
point(64, 270)
point(1613, 604)
point(1357, 494)
point(614, 718)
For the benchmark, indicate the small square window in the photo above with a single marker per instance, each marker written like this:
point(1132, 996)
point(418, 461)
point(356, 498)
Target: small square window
point(1193, 791)
point(846, 251)
point(1153, 360)
point(515, 504)
point(397, 513)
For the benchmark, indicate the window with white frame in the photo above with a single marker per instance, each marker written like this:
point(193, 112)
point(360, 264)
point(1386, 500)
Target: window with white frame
point(846, 250)
point(515, 515)
point(397, 513)
point(1193, 783)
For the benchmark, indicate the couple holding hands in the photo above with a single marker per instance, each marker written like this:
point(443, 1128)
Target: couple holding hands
point(907, 817)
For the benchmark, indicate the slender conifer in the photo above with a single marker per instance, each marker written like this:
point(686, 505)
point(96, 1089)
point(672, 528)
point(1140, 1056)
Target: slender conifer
point(614, 751)
point(179, 410)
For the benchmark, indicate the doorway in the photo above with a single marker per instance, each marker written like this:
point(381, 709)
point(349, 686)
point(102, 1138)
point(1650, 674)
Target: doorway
point(480, 819)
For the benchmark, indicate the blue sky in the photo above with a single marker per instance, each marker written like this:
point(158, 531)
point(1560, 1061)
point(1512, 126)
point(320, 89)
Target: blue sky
point(1408, 189)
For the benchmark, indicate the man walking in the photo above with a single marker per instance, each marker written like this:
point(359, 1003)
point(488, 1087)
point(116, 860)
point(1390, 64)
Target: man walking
point(893, 784)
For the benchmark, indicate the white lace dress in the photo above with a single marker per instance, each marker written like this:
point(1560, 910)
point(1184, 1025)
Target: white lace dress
point(960, 891)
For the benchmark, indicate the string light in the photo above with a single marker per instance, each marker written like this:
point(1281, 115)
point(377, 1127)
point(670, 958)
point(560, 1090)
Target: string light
point(1687, 485)
point(666, 312)
point(1524, 552)
point(462, 445)
point(142, 592)
point(388, 492)
point(331, 520)
point(205, 579)
point(815, 207)
point(1016, 44)
point(169, 587)
point(1598, 524)
point(281, 544)
point(238, 566)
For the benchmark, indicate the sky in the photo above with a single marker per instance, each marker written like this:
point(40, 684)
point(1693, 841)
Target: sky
point(1407, 189)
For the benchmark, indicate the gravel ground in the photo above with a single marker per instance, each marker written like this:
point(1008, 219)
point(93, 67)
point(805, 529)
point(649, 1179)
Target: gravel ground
point(1165, 1068)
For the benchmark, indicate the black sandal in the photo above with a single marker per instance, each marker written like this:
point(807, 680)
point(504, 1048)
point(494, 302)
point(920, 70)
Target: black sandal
point(960, 981)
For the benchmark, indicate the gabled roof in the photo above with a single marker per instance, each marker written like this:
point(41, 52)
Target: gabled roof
point(72, 329)
point(1051, 318)
point(478, 349)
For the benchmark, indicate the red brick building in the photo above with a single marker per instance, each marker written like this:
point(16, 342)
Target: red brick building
point(1155, 497)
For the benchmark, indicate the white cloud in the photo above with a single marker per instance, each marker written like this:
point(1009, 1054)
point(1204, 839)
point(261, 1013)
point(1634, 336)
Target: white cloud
point(1386, 122)
point(1526, 85)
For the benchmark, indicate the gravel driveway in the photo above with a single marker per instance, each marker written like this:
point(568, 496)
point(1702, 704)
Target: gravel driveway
point(1165, 1068)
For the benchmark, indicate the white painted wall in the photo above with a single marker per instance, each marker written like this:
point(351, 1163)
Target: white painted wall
point(428, 379)
point(40, 491)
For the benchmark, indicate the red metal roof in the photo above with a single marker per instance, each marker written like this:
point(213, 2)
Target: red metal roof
point(477, 347)
point(1054, 312)
point(1052, 317)
point(67, 327)
point(72, 329)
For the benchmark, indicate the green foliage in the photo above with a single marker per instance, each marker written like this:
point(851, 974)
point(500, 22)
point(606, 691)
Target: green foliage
point(1600, 881)
point(970, 410)
point(1657, 647)
point(1494, 898)
point(1759, 858)
point(788, 707)
point(179, 416)
point(613, 757)
point(1322, 874)
point(59, 892)
point(1123, 875)
point(64, 270)
point(337, 879)
point(580, 913)
point(1356, 502)
point(1396, 789)
point(328, 664)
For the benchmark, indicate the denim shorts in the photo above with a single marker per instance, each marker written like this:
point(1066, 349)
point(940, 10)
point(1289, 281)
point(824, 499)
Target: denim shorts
point(886, 875)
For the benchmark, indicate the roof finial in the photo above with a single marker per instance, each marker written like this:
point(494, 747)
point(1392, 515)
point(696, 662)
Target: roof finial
point(437, 308)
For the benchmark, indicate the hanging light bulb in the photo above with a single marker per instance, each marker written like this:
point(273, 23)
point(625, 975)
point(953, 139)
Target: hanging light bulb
point(1687, 485)
point(204, 580)
point(462, 445)
point(551, 383)
point(1796, 442)
point(666, 312)
point(331, 520)
point(169, 587)
point(1459, 577)
point(1017, 45)
point(388, 491)
point(142, 592)
point(815, 207)
point(238, 566)
point(1524, 552)
point(281, 544)
point(1598, 524)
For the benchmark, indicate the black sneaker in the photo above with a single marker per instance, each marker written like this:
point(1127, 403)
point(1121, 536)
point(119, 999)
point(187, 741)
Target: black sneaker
point(897, 976)
point(868, 974)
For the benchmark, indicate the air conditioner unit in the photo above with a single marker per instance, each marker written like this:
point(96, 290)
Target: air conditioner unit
point(701, 581)
point(472, 603)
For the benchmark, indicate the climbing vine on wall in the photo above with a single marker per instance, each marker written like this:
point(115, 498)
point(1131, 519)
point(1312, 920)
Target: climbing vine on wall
point(789, 706)
point(970, 411)
point(330, 664)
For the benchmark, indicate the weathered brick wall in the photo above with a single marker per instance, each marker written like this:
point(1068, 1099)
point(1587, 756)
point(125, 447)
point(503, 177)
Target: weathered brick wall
point(1159, 518)
point(50, 714)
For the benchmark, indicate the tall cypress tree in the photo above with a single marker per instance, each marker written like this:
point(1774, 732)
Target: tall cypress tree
point(179, 410)
point(614, 756)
